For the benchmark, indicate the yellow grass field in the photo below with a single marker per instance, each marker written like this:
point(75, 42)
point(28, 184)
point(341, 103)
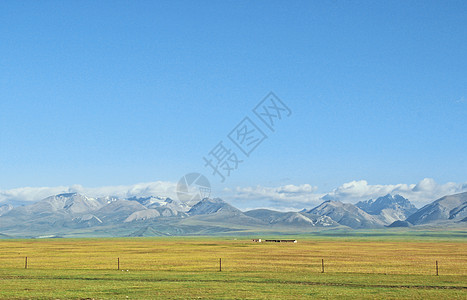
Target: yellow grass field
point(189, 268)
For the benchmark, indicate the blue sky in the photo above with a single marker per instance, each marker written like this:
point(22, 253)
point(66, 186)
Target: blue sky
point(122, 92)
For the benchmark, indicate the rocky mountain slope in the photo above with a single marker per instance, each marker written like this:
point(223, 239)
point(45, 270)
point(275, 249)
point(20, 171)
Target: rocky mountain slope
point(346, 214)
point(5, 208)
point(451, 208)
point(389, 208)
point(291, 218)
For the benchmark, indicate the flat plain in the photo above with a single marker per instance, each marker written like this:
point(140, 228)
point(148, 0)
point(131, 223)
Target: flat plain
point(390, 267)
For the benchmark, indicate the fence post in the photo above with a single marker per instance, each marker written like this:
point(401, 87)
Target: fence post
point(220, 264)
point(118, 263)
point(436, 268)
point(322, 265)
point(26, 263)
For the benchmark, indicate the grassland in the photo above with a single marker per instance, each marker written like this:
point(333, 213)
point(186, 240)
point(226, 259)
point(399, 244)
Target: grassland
point(355, 267)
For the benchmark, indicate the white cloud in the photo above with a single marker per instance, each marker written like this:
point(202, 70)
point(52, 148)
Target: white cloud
point(31, 193)
point(360, 190)
point(424, 192)
point(163, 188)
point(291, 196)
point(287, 197)
point(300, 193)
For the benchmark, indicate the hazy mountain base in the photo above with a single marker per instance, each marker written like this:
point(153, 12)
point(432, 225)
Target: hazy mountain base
point(172, 227)
point(158, 227)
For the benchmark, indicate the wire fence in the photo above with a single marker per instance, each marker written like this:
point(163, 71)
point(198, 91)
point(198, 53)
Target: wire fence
point(226, 264)
point(237, 256)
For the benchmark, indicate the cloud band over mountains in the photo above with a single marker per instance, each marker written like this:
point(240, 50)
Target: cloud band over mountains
point(305, 196)
point(28, 194)
point(282, 197)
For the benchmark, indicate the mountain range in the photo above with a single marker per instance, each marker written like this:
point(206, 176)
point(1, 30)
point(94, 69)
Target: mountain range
point(75, 215)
